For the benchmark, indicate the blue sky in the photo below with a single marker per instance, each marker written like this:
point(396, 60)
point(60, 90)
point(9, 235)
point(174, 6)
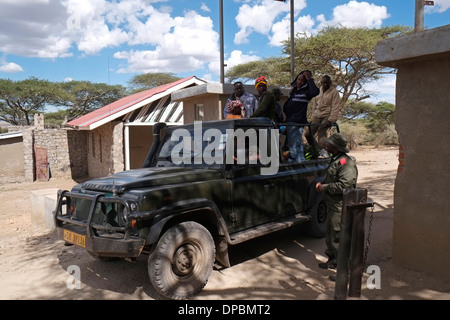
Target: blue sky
point(111, 41)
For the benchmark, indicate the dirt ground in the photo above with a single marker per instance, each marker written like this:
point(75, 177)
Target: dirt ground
point(281, 266)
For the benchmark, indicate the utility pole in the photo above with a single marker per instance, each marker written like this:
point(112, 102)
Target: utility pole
point(419, 14)
point(292, 37)
point(292, 42)
point(222, 63)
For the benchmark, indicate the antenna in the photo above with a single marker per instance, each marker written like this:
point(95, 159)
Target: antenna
point(108, 70)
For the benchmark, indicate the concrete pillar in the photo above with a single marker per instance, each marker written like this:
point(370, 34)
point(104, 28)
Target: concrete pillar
point(421, 234)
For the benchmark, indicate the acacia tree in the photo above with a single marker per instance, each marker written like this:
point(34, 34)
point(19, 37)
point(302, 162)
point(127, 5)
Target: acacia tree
point(19, 100)
point(81, 97)
point(346, 54)
point(150, 80)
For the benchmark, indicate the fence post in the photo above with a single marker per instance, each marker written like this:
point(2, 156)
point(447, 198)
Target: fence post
point(357, 250)
point(351, 244)
point(340, 290)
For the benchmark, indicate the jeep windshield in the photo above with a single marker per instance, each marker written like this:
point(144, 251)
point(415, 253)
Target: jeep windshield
point(197, 145)
point(211, 144)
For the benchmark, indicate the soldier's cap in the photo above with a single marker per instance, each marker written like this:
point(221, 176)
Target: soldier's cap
point(339, 141)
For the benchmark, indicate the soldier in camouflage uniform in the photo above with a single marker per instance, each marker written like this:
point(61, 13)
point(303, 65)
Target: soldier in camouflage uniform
point(342, 173)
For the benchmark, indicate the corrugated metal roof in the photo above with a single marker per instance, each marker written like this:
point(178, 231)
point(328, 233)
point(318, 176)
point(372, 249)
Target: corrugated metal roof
point(153, 104)
point(10, 135)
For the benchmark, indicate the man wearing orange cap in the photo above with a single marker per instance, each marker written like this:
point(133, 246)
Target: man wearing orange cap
point(266, 100)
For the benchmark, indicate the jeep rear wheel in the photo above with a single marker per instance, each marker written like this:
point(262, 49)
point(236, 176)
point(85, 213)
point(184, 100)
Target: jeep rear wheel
point(182, 261)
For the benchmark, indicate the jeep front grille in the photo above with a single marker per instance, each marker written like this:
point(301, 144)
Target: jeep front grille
point(101, 214)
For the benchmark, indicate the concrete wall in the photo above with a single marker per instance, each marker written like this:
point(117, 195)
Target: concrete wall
point(211, 107)
point(421, 234)
point(141, 139)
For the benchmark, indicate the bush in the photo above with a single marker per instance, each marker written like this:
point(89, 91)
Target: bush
point(358, 134)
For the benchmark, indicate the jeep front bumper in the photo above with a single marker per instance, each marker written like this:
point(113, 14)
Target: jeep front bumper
point(97, 223)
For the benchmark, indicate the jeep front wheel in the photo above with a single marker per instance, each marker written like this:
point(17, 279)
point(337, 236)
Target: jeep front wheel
point(182, 261)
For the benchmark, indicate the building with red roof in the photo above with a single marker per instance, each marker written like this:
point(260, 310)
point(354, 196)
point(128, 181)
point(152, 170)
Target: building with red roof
point(119, 135)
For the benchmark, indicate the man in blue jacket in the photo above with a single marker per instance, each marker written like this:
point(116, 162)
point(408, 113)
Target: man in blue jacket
point(295, 108)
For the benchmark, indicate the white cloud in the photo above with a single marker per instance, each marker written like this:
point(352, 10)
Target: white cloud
point(98, 36)
point(439, 6)
point(51, 28)
point(282, 30)
point(10, 67)
point(382, 90)
point(237, 58)
point(33, 28)
point(204, 7)
point(260, 18)
point(356, 14)
point(191, 44)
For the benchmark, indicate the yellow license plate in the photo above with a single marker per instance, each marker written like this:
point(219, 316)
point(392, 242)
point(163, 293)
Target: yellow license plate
point(75, 238)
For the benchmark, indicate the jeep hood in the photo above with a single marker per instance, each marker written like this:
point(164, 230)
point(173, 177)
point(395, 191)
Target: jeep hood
point(150, 177)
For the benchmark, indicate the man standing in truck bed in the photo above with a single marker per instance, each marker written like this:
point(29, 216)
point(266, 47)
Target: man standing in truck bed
point(304, 89)
point(326, 112)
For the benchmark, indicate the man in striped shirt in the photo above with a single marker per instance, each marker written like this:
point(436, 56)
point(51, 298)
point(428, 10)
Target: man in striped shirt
point(295, 108)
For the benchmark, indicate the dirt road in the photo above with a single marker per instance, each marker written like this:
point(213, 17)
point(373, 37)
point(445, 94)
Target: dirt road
point(282, 266)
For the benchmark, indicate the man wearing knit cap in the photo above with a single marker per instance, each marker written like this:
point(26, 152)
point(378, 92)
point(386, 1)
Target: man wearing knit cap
point(342, 173)
point(295, 108)
point(266, 100)
point(235, 109)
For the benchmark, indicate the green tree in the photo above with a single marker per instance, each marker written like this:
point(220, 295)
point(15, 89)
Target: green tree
point(150, 80)
point(357, 109)
point(82, 97)
point(274, 68)
point(55, 118)
point(346, 54)
point(20, 100)
point(380, 116)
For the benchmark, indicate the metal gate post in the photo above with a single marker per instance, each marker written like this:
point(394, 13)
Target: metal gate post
point(351, 243)
point(340, 290)
point(357, 250)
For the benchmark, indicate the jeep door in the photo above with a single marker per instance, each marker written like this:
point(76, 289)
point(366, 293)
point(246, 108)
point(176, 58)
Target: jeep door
point(254, 195)
point(254, 198)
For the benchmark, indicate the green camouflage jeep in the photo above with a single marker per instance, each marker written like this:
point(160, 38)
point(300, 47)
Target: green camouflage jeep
point(203, 187)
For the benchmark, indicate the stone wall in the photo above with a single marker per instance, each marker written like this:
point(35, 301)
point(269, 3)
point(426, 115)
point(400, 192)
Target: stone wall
point(66, 152)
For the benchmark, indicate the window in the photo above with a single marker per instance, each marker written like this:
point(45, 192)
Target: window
point(199, 112)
